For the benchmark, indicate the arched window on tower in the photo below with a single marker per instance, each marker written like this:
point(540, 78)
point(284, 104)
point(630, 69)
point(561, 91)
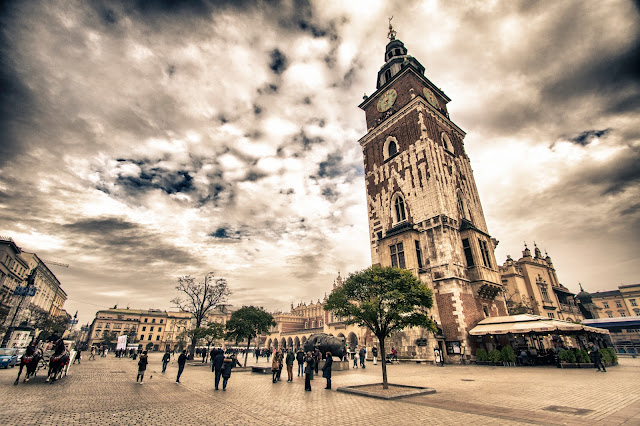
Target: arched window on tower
point(390, 148)
point(446, 142)
point(387, 75)
point(399, 209)
point(393, 149)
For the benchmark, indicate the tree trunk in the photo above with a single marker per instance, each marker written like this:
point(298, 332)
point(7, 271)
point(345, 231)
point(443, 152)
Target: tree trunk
point(246, 353)
point(192, 349)
point(383, 358)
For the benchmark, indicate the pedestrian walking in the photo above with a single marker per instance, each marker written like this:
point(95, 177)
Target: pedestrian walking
point(227, 365)
point(165, 360)
point(268, 354)
point(275, 366)
point(182, 359)
point(594, 353)
point(308, 371)
point(326, 369)
point(354, 355)
point(290, 359)
point(142, 367)
point(363, 354)
point(78, 357)
point(374, 353)
point(300, 359)
point(93, 354)
point(280, 363)
point(218, 363)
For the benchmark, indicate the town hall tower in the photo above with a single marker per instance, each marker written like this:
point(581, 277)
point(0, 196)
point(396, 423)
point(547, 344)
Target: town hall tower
point(423, 205)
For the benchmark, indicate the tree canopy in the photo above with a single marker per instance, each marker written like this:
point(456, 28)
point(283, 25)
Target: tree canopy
point(385, 300)
point(248, 322)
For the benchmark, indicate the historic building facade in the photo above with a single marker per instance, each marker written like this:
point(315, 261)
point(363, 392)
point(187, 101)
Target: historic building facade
point(424, 208)
point(624, 302)
point(531, 286)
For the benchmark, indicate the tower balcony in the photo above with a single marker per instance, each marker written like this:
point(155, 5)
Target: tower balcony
point(486, 289)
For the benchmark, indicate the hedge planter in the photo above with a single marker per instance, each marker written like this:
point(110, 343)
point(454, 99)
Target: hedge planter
point(484, 363)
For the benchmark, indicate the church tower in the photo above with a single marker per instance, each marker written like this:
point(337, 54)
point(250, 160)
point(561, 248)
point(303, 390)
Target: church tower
point(423, 205)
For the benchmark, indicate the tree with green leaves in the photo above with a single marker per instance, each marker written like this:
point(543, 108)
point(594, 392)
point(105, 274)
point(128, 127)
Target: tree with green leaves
point(212, 332)
point(198, 298)
point(132, 335)
point(108, 337)
point(249, 322)
point(384, 300)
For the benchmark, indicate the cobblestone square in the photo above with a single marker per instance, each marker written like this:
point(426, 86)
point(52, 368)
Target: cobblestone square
point(105, 392)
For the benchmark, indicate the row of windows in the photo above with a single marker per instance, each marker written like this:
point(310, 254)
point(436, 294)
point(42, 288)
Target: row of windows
point(619, 303)
point(484, 251)
point(398, 258)
point(151, 329)
point(153, 320)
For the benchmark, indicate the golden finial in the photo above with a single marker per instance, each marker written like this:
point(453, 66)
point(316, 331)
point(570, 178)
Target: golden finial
point(392, 33)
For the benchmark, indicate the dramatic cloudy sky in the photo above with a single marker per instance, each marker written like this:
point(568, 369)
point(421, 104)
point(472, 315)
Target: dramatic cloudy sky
point(141, 141)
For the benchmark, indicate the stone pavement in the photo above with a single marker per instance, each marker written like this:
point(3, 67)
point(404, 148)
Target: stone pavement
point(104, 392)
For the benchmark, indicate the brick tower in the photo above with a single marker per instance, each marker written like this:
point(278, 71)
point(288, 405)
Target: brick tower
point(424, 209)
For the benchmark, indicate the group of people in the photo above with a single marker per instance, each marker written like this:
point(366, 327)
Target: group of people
point(308, 364)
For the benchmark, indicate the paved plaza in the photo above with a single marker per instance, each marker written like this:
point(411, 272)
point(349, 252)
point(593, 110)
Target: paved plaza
point(105, 392)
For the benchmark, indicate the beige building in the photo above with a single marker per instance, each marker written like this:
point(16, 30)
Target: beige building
point(624, 302)
point(531, 286)
point(13, 273)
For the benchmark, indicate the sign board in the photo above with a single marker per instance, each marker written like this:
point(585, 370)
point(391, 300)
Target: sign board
point(453, 348)
point(122, 342)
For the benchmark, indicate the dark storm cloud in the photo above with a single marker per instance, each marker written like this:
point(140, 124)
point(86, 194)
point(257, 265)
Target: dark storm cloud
point(330, 192)
point(156, 178)
point(331, 167)
point(586, 137)
point(305, 141)
point(278, 61)
point(226, 233)
point(118, 240)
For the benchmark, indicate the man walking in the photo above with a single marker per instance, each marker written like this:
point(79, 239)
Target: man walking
point(596, 357)
point(142, 367)
point(218, 363)
point(93, 353)
point(182, 359)
point(165, 360)
point(363, 354)
point(289, 361)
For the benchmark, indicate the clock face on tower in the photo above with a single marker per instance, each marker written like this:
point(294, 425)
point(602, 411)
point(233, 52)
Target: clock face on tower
point(430, 97)
point(386, 101)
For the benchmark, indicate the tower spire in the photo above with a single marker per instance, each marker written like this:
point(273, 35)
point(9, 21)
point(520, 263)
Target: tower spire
point(392, 33)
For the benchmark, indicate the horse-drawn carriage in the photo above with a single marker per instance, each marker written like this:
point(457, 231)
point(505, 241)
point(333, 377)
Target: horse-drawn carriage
point(55, 360)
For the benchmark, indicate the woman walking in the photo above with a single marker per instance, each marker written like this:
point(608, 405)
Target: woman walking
point(326, 369)
point(228, 364)
point(275, 367)
point(142, 366)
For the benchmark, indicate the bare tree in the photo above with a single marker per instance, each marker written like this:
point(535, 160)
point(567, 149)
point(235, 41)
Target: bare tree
point(198, 298)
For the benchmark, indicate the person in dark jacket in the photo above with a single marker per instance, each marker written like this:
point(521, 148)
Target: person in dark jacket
point(300, 359)
point(227, 365)
point(374, 352)
point(326, 369)
point(165, 360)
point(594, 353)
point(142, 367)
point(182, 359)
point(289, 360)
point(308, 371)
point(218, 362)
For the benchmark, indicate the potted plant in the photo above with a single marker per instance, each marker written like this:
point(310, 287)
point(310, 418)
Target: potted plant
point(582, 358)
point(567, 359)
point(494, 357)
point(482, 358)
point(508, 356)
point(609, 357)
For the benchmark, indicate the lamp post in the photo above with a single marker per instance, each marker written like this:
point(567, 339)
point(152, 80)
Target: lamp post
point(27, 291)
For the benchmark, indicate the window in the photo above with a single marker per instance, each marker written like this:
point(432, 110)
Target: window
point(397, 255)
point(393, 149)
point(390, 148)
point(153, 320)
point(398, 206)
point(157, 337)
point(618, 304)
point(467, 252)
point(637, 312)
point(622, 313)
point(419, 254)
point(446, 142)
point(161, 320)
point(151, 329)
point(149, 337)
point(144, 328)
point(142, 337)
point(610, 314)
point(545, 293)
point(159, 329)
point(107, 325)
point(605, 304)
point(486, 310)
point(633, 302)
point(145, 320)
point(485, 253)
point(550, 315)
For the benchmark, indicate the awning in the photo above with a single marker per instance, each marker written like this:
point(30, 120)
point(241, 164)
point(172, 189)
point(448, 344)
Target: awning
point(527, 323)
